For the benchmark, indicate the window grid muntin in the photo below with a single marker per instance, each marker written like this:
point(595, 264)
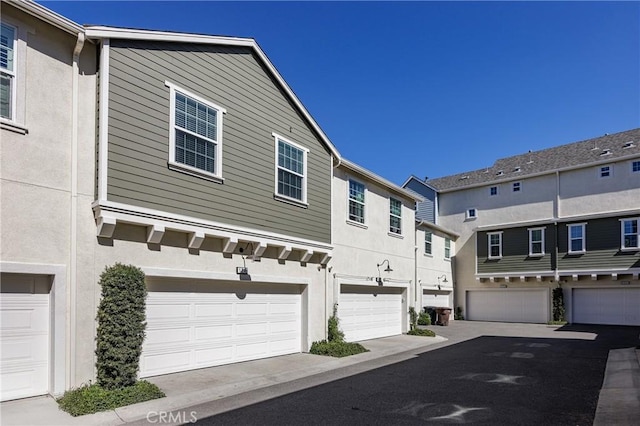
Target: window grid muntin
point(517, 187)
point(428, 242)
point(577, 240)
point(605, 171)
point(635, 166)
point(395, 216)
point(447, 248)
point(630, 234)
point(495, 244)
point(493, 191)
point(356, 201)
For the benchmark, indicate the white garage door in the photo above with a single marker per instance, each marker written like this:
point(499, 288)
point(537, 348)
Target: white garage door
point(369, 312)
point(24, 336)
point(615, 306)
point(207, 324)
point(436, 298)
point(530, 305)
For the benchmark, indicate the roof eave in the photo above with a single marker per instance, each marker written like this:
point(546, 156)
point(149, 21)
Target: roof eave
point(379, 180)
point(48, 16)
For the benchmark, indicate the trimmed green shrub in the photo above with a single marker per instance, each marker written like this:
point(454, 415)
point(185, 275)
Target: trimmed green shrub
point(558, 305)
point(413, 318)
point(334, 334)
point(424, 319)
point(421, 332)
point(121, 325)
point(337, 349)
point(458, 314)
point(90, 399)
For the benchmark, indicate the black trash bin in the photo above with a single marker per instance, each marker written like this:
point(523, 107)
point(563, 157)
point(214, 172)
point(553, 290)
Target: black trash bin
point(431, 310)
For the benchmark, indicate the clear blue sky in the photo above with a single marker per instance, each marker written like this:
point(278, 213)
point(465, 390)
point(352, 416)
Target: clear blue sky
point(430, 88)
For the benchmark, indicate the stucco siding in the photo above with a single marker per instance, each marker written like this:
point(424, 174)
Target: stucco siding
point(230, 77)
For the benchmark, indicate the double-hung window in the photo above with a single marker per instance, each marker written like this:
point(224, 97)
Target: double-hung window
point(447, 248)
point(7, 71)
point(291, 170)
point(395, 216)
point(577, 238)
point(630, 234)
point(605, 171)
point(495, 245)
point(635, 167)
point(536, 241)
point(356, 201)
point(428, 242)
point(195, 142)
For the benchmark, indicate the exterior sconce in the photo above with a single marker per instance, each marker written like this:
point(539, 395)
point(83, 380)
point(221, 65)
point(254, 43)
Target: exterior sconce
point(387, 269)
point(243, 270)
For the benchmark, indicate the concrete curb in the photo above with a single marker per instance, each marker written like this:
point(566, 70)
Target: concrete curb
point(619, 401)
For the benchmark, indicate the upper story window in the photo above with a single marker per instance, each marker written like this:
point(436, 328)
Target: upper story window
point(428, 242)
point(195, 140)
point(494, 240)
point(447, 248)
point(395, 216)
point(630, 236)
point(605, 171)
point(291, 170)
point(356, 201)
point(493, 190)
point(577, 238)
point(536, 241)
point(635, 167)
point(472, 213)
point(516, 186)
point(7, 71)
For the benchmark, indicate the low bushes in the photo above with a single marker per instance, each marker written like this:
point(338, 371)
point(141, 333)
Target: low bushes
point(93, 398)
point(421, 332)
point(337, 349)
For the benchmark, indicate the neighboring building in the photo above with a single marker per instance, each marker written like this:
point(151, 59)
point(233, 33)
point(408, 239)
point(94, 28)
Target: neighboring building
point(373, 267)
point(567, 216)
point(47, 128)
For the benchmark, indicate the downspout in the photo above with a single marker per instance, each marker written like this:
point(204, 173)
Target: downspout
point(415, 265)
point(73, 272)
point(556, 215)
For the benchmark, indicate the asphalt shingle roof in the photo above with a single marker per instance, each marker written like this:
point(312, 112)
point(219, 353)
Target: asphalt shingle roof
point(590, 151)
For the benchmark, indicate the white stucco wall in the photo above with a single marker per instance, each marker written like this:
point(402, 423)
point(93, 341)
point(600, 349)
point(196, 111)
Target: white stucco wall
point(430, 268)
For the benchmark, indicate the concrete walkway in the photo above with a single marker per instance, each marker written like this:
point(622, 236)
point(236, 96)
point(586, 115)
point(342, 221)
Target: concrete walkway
point(210, 391)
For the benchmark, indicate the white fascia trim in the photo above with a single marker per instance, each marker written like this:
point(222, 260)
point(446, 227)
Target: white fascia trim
point(59, 370)
point(344, 279)
point(417, 179)
point(223, 276)
point(380, 180)
point(130, 34)
point(48, 16)
point(589, 272)
point(126, 213)
point(103, 136)
point(439, 228)
point(548, 273)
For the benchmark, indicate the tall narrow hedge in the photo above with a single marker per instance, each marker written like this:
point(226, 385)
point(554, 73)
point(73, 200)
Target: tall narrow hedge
point(558, 304)
point(121, 325)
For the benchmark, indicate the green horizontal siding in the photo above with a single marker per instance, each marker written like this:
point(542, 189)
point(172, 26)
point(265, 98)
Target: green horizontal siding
point(233, 78)
point(515, 252)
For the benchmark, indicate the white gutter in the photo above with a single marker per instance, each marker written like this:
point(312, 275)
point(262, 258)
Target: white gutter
point(73, 270)
point(380, 180)
point(49, 16)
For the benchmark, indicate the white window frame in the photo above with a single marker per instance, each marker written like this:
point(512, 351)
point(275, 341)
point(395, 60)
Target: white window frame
point(17, 122)
point(491, 188)
point(447, 248)
point(515, 185)
point(570, 239)
point(489, 245)
point(623, 247)
point(305, 156)
point(185, 168)
point(633, 165)
point(428, 242)
point(392, 215)
point(12, 73)
point(531, 242)
point(363, 203)
point(609, 172)
point(472, 213)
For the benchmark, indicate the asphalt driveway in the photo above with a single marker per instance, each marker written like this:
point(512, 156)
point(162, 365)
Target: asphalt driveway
point(507, 374)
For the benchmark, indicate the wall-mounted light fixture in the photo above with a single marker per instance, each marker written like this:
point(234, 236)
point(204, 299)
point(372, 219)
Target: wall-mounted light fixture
point(442, 277)
point(243, 270)
point(387, 269)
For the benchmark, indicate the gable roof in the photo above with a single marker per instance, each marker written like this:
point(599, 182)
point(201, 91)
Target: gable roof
point(105, 32)
point(601, 150)
point(379, 180)
point(414, 178)
point(46, 15)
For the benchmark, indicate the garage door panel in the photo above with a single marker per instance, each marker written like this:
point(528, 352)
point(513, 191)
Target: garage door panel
point(528, 306)
point(436, 298)
point(370, 312)
point(219, 326)
point(24, 339)
point(610, 306)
